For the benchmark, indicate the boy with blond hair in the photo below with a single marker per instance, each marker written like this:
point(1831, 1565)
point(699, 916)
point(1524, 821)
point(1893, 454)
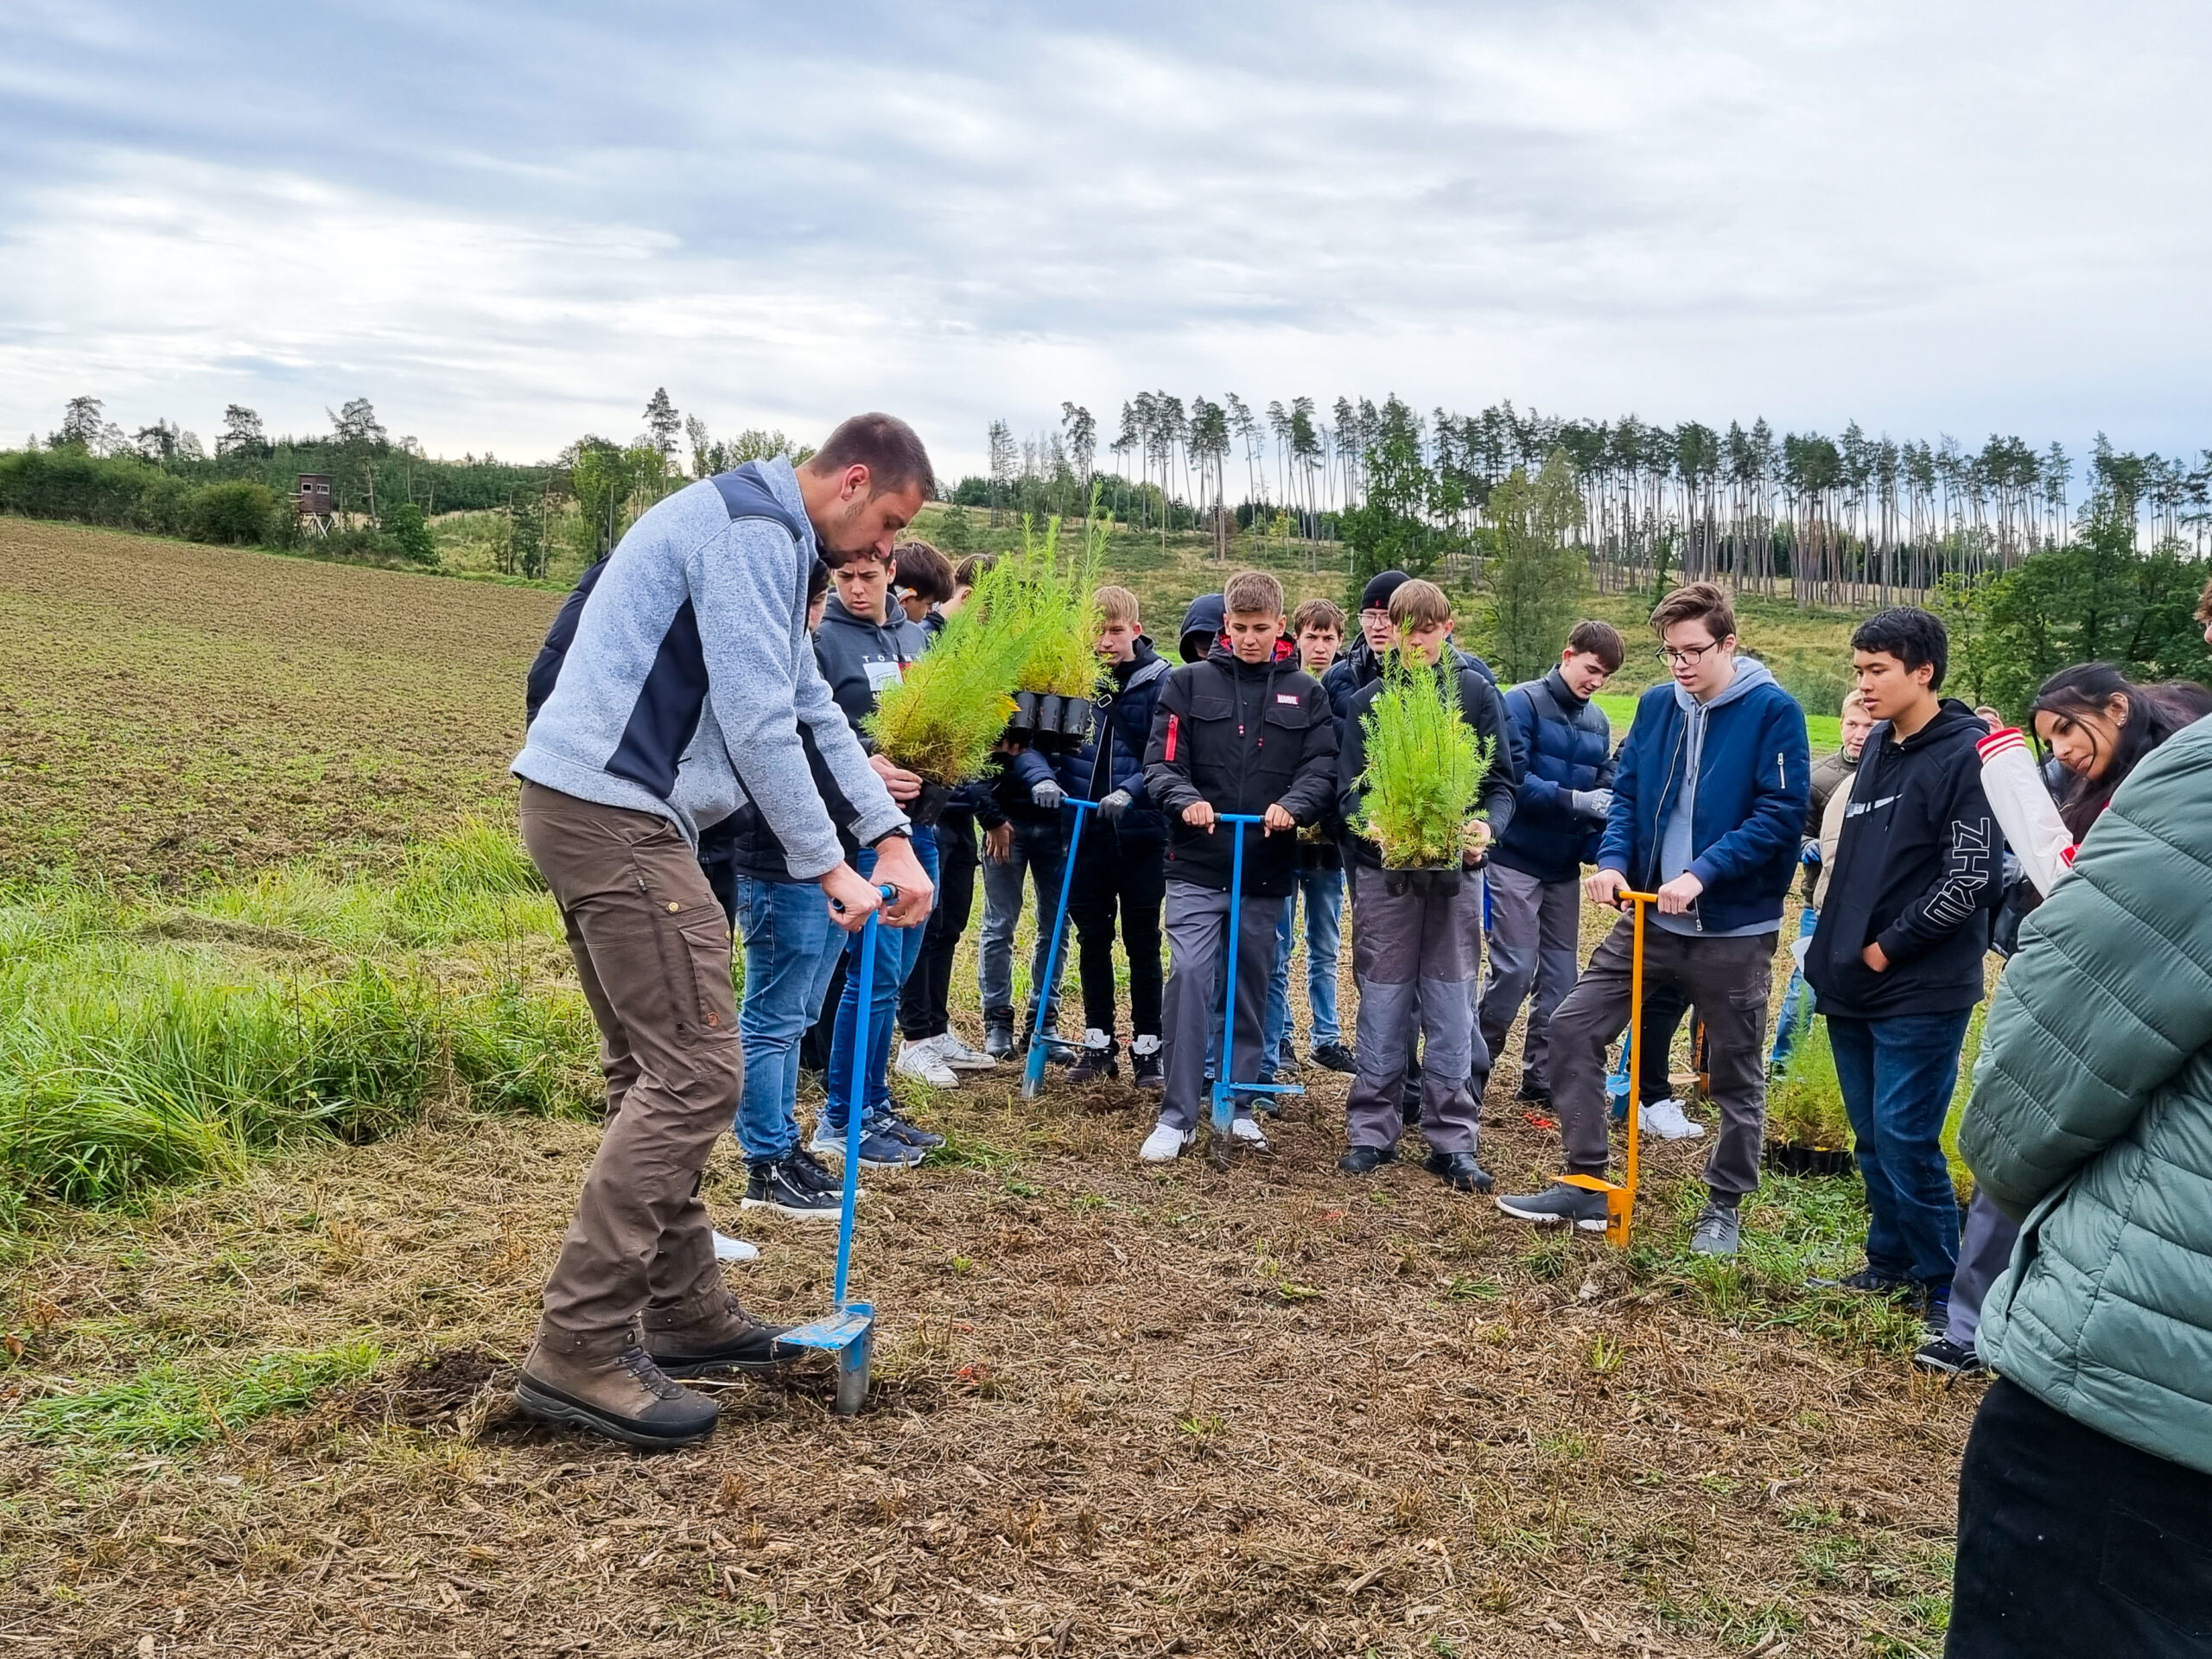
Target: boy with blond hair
point(1245, 731)
point(1120, 864)
point(1318, 627)
point(1416, 949)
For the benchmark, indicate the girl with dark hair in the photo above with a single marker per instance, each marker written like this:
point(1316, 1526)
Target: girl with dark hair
point(2098, 726)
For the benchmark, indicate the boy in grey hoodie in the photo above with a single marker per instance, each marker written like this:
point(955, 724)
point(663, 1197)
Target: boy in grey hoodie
point(678, 698)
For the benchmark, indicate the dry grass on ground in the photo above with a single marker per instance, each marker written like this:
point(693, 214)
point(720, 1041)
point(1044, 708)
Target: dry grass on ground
point(169, 712)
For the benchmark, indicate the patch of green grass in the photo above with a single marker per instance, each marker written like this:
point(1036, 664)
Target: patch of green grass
point(964, 1151)
point(142, 1046)
point(168, 1409)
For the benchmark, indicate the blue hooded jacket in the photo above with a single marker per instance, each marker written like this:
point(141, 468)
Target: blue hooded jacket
point(1123, 724)
point(1747, 819)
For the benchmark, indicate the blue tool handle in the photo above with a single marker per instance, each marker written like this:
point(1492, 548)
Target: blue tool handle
point(1033, 1070)
point(855, 1106)
point(1238, 818)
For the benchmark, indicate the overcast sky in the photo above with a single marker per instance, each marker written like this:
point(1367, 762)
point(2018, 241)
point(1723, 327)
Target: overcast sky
point(506, 225)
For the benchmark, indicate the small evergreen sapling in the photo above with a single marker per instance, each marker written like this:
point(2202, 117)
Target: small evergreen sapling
point(1425, 767)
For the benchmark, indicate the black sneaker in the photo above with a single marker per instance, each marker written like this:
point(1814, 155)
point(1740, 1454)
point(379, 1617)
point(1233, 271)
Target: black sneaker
point(1560, 1203)
point(888, 1122)
point(1534, 1094)
point(1289, 1058)
point(1335, 1057)
point(1096, 1060)
point(1365, 1160)
point(1144, 1069)
point(1867, 1282)
point(998, 1032)
point(1943, 1355)
point(779, 1187)
point(809, 1171)
point(1460, 1169)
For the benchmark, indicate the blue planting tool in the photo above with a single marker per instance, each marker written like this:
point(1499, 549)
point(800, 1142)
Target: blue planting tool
point(1032, 1074)
point(848, 1330)
point(1225, 1090)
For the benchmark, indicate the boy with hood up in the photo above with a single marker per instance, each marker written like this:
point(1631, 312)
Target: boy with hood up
point(1708, 805)
point(1897, 959)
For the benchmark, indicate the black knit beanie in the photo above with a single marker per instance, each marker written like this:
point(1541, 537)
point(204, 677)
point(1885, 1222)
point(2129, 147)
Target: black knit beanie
point(1375, 596)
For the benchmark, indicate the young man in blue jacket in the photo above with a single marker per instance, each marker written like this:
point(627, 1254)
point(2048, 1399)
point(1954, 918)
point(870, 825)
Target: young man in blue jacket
point(1708, 804)
point(1564, 745)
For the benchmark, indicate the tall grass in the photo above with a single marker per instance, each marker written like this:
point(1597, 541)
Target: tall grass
point(1806, 1107)
point(141, 1047)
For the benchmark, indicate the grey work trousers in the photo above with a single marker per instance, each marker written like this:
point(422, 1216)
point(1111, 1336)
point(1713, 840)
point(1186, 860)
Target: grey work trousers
point(1198, 955)
point(1985, 1250)
point(652, 947)
point(1534, 939)
point(1728, 981)
point(1414, 954)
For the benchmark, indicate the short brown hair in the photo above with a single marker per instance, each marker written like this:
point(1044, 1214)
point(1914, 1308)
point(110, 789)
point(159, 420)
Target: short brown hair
point(1318, 614)
point(1419, 604)
point(969, 570)
point(884, 444)
point(1600, 640)
point(1252, 593)
point(923, 571)
point(1117, 605)
point(1698, 602)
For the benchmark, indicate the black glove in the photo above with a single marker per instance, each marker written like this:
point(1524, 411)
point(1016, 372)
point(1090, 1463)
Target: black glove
point(1115, 805)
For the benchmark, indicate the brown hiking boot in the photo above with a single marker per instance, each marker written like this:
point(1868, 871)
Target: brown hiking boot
point(721, 1337)
point(621, 1393)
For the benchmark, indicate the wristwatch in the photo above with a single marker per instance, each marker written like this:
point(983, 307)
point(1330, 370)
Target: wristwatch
point(903, 832)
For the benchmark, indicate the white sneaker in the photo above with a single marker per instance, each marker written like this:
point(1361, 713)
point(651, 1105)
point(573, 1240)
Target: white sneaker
point(734, 1250)
point(1666, 1119)
point(920, 1060)
point(1164, 1145)
point(1248, 1131)
point(961, 1058)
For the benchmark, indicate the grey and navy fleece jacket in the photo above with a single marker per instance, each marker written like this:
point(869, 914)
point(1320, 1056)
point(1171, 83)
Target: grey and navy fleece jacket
point(691, 673)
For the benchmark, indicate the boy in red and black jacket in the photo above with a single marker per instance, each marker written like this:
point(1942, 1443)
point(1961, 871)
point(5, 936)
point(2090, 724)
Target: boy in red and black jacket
point(1245, 732)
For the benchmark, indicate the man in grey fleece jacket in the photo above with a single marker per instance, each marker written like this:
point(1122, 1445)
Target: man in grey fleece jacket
point(679, 698)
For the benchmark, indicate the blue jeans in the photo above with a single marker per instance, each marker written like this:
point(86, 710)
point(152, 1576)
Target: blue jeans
point(1797, 1002)
point(1898, 1076)
point(791, 950)
point(1041, 851)
point(1324, 914)
point(897, 950)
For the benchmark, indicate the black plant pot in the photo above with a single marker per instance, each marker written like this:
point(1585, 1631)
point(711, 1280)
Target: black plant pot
point(1789, 1159)
point(1024, 718)
point(927, 808)
point(1440, 881)
point(1048, 716)
point(1075, 720)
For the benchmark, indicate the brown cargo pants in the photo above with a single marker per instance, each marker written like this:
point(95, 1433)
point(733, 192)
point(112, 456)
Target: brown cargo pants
point(653, 948)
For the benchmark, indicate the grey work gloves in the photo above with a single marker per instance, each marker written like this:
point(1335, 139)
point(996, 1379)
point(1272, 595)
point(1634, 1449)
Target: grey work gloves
point(1111, 807)
point(1047, 795)
point(1591, 803)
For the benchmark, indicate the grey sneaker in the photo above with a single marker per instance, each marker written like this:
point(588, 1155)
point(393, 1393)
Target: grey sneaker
point(1716, 1231)
point(1559, 1203)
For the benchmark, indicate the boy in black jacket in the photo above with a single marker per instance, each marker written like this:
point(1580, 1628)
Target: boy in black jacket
point(1897, 960)
point(1246, 731)
point(1415, 949)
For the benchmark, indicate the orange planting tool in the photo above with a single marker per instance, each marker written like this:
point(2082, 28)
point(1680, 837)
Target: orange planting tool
point(1620, 1200)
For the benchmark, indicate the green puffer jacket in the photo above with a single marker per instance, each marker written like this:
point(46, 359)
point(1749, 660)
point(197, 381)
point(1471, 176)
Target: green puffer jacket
point(2092, 1117)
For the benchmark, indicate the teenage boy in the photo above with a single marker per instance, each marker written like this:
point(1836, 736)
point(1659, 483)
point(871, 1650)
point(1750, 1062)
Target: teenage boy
point(1242, 732)
point(1709, 800)
point(924, 583)
point(1022, 836)
point(1897, 959)
point(1415, 953)
point(1564, 744)
point(925, 1005)
point(1832, 778)
point(863, 647)
point(1362, 665)
point(1318, 628)
point(1120, 866)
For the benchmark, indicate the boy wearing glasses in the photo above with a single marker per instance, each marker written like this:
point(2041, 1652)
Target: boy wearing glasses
point(1708, 805)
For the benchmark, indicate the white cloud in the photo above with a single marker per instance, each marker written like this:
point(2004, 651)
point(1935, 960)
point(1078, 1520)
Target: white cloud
point(507, 228)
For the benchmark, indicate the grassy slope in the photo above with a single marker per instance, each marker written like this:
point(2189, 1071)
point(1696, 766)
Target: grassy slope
point(1117, 1407)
